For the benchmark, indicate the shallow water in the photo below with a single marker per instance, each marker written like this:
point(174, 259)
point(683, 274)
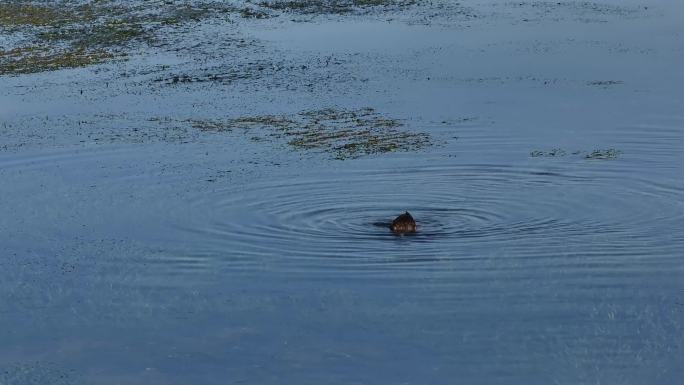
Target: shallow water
point(136, 249)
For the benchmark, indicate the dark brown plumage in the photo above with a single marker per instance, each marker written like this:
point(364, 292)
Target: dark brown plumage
point(404, 223)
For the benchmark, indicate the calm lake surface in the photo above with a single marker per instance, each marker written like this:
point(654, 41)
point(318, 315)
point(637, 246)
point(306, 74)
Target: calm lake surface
point(139, 247)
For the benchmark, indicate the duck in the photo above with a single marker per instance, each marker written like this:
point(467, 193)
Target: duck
point(404, 223)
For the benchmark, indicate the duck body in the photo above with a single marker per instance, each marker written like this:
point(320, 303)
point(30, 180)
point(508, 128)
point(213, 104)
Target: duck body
point(404, 223)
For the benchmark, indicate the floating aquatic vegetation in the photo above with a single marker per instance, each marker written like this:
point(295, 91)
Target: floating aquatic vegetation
point(111, 34)
point(605, 83)
point(559, 152)
point(342, 133)
point(466, 119)
point(184, 14)
point(14, 14)
point(331, 6)
point(66, 34)
point(209, 125)
point(556, 152)
point(610, 153)
point(34, 59)
point(249, 13)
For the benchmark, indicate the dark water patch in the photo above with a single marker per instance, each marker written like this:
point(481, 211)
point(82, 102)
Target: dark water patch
point(338, 221)
point(67, 157)
point(580, 11)
point(503, 80)
point(255, 71)
point(98, 129)
point(562, 45)
point(37, 373)
point(248, 71)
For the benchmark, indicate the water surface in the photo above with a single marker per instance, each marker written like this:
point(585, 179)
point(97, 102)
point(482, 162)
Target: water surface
point(136, 249)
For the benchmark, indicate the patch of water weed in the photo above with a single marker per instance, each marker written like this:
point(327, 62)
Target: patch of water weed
point(199, 11)
point(14, 14)
point(610, 153)
point(110, 34)
point(80, 31)
point(26, 60)
point(249, 13)
point(553, 153)
point(462, 120)
point(63, 35)
point(332, 6)
point(184, 14)
point(208, 125)
point(344, 134)
point(605, 83)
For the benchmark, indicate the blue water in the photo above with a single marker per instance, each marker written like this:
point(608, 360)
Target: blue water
point(136, 250)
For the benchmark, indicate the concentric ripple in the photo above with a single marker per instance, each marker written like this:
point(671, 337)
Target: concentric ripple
point(338, 220)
